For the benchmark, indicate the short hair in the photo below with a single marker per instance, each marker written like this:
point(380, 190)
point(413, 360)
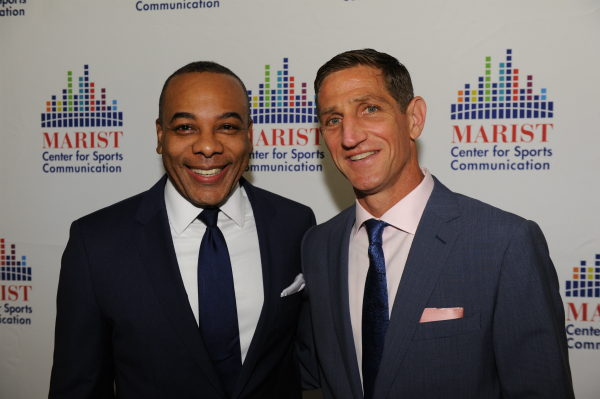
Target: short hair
point(199, 67)
point(396, 76)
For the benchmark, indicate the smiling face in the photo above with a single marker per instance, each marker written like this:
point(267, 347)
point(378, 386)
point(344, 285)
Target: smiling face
point(371, 141)
point(204, 137)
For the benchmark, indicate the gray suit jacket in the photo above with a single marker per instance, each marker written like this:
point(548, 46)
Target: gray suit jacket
point(510, 343)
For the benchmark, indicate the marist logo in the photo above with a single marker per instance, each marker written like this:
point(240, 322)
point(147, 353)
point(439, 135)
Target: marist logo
point(84, 105)
point(11, 268)
point(586, 281)
point(81, 129)
point(15, 291)
point(585, 284)
point(282, 99)
point(508, 121)
point(14, 271)
point(280, 146)
point(503, 99)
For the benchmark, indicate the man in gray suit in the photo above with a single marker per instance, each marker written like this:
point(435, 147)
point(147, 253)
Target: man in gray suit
point(416, 291)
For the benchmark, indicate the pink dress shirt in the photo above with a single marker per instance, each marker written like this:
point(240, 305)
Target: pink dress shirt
point(403, 219)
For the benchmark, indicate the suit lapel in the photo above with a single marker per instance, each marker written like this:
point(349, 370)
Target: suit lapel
point(337, 263)
point(264, 213)
point(432, 243)
point(155, 245)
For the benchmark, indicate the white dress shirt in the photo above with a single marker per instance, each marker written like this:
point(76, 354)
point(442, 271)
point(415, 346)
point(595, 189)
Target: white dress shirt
point(403, 219)
point(236, 221)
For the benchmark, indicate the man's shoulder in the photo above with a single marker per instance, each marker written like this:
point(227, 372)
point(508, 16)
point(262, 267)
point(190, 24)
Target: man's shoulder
point(337, 224)
point(474, 208)
point(473, 214)
point(122, 212)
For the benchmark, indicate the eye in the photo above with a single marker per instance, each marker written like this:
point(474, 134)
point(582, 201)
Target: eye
point(371, 109)
point(184, 128)
point(229, 128)
point(334, 121)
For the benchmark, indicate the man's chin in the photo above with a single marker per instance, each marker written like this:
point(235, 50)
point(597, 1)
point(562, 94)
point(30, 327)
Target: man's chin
point(209, 197)
point(367, 187)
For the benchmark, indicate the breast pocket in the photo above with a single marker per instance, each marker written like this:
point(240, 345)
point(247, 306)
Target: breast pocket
point(448, 328)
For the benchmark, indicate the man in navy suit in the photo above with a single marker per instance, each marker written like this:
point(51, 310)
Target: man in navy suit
point(416, 291)
point(190, 289)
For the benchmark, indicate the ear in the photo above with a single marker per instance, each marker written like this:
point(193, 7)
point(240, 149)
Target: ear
point(159, 136)
point(415, 113)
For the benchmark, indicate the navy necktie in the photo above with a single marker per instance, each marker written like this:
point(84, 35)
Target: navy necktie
point(216, 297)
point(375, 315)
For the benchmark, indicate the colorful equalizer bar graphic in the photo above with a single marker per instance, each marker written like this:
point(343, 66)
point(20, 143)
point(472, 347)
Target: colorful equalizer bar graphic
point(281, 99)
point(12, 269)
point(82, 104)
point(511, 97)
point(586, 281)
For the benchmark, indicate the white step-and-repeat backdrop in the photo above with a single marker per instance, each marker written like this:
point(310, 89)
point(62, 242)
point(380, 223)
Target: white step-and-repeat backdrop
point(513, 99)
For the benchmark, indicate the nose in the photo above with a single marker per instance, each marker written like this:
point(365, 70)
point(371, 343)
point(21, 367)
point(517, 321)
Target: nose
point(352, 132)
point(207, 143)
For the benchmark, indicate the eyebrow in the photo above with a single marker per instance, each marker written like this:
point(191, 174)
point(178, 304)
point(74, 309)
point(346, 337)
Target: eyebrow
point(188, 115)
point(356, 100)
point(228, 115)
point(369, 97)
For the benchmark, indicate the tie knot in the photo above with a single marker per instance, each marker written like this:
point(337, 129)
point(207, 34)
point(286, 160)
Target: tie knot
point(209, 217)
point(375, 230)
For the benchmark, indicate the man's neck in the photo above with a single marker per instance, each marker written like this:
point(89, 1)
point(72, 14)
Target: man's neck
point(379, 203)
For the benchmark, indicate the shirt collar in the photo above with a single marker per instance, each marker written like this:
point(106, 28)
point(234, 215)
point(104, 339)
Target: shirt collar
point(182, 213)
point(406, 213)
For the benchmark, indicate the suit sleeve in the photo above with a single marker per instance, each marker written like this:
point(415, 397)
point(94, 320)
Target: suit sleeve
point(529, 337)
point(83, 366)
point(305, 347)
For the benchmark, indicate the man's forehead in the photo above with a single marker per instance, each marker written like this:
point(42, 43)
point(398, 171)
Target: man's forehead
point(219, 92)
point(209, 79)
point(358, 72)
point(364, 80)
point(374, 92)
point(194, 84)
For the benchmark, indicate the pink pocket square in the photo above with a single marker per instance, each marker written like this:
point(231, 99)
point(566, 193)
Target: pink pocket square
point(435, 314)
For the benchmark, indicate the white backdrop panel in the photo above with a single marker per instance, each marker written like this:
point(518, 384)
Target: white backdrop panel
point(130, 53)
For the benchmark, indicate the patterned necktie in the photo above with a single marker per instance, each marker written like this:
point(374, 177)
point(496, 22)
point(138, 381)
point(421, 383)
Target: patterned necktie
point(216, 297)
point(375, 316)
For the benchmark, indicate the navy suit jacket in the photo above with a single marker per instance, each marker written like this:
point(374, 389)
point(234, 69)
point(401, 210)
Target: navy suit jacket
point(511, 342)
point(124, 319)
